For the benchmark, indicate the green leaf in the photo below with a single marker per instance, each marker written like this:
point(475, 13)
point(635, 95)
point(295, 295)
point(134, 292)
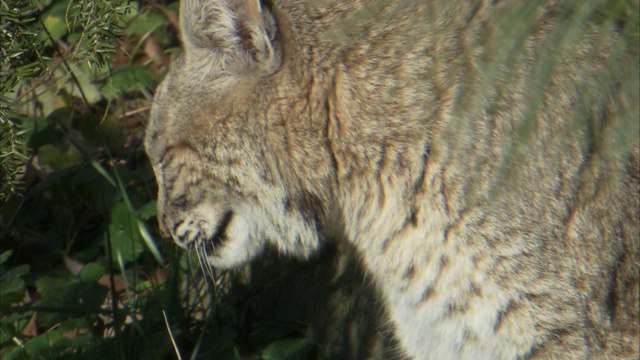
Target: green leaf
point(287, 349)
point(12, 285)
point(83, 341)
point(56, 25)
point(59, 158)
point(92, 272)
point(126, 79)
point(14, 353)
point(148, 240)
point(124, 233)
point(148, 210)
point(145, 22)
point(48, 345)
point(57, 291)
point(5, 256)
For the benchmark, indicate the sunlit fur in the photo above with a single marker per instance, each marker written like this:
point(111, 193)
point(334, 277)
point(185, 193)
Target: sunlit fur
point(480, 156)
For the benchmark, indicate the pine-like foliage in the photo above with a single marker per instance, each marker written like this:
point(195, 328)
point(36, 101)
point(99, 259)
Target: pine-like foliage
point(33, 47)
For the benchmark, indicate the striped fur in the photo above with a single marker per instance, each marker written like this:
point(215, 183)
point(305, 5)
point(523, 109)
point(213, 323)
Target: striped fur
point(480, 156)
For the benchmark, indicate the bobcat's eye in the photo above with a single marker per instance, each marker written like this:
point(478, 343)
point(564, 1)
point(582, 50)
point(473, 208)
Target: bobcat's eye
point(180, 201)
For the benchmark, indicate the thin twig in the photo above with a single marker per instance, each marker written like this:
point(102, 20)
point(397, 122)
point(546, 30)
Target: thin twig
point(173, 341)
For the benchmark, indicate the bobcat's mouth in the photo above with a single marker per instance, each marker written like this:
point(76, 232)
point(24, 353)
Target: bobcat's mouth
point(191, 233)
point(219, 236)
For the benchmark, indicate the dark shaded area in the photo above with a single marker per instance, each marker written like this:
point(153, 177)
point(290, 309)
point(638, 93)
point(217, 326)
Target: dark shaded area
point(327, 299)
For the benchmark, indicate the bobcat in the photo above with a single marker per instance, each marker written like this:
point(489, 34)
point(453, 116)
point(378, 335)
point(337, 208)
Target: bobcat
point(480, 156)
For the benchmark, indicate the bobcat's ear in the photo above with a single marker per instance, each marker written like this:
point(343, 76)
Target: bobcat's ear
point(233, 34)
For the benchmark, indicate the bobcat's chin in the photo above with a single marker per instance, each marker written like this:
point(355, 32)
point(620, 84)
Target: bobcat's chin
point(234, 247)
point(227, 238)
point(221, 238)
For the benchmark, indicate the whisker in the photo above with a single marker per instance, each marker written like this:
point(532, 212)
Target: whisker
point(204, 262)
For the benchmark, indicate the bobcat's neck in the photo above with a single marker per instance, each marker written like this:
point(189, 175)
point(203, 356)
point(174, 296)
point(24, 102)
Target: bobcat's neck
point(440, 288)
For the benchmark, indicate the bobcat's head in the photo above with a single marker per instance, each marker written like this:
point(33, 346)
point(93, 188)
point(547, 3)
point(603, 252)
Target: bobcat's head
point(228, 128)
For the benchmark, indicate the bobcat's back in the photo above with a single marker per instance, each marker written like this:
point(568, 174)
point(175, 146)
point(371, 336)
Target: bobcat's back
point(481, 157)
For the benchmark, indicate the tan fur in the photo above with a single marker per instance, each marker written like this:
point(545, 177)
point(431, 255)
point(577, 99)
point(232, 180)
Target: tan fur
point(480, 156)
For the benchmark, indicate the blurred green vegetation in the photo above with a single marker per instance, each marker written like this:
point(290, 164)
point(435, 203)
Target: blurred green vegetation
point(82, 275)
